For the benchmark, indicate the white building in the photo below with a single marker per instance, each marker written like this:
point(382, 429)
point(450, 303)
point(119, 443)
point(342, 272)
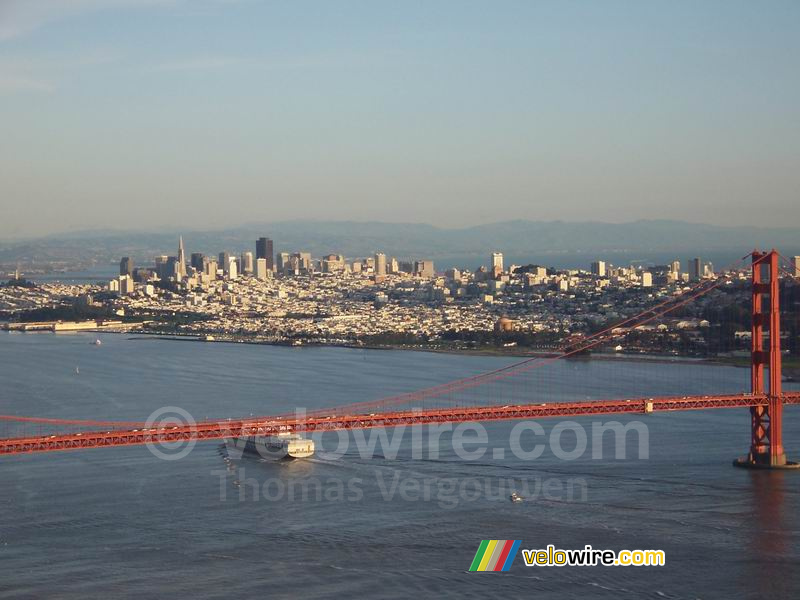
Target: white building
point(262, 272)
point(497, 261)
point(232, 270)
point(247, 263)
point(126, 285)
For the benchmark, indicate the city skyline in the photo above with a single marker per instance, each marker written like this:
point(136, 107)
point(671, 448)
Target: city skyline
point(558, 244)
point(293, 263)
point(195, 114)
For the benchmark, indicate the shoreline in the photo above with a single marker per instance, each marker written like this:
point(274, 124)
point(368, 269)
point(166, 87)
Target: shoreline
point(791, 373)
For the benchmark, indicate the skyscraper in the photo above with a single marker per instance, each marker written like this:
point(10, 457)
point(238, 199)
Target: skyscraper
point(301, 261)
point(162, 267)
point(264, 250)
point(497, 261)
point(126, 266)
point(380, 264)
point(180, 268)
point(223, 260)
point(197, 261)
point(695, 269)
point(126, 285)
point(283, 262)
point(423, 268)
point(232, 269)
point(261, 269)
point(796, 265)
point(599, 268)
point(247, 263)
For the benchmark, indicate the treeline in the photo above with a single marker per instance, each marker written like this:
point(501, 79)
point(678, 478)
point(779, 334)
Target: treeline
point(67, 312)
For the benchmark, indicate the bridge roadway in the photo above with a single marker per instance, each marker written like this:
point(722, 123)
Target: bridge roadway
point(215, 430)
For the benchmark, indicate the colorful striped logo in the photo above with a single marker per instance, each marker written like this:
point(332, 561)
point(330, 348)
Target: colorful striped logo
point(495, 555)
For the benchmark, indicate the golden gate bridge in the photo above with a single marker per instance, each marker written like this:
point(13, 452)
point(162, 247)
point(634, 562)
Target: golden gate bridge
point(446, 402)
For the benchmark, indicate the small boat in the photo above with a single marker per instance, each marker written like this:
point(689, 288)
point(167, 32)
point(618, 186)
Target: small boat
point(77, 370)
point(97, 342)
point(515, 497)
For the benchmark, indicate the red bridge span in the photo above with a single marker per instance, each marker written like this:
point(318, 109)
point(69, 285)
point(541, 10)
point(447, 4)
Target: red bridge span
point(765, 398)
point(215, 430)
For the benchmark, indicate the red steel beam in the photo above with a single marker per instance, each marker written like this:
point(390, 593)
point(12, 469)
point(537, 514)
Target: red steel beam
point(214, 430)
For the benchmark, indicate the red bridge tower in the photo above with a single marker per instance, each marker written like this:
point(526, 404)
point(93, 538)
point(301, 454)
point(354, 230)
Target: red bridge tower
point(766, 443)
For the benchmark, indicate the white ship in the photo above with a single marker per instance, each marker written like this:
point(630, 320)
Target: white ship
point(283, 445)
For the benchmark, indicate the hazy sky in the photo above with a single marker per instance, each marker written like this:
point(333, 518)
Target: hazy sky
point(145, 114)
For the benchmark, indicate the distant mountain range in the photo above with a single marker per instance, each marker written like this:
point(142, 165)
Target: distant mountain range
point(554, 243)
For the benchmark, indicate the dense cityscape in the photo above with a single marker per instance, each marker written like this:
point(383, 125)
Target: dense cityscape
point(295, 298)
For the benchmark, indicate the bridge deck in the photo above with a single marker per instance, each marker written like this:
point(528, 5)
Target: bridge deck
point(214, 430)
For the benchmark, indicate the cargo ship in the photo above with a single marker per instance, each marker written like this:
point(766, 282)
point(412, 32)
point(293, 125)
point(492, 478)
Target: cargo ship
point(283, 445)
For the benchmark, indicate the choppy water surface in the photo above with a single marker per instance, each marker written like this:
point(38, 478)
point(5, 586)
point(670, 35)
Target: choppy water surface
point(121, 523)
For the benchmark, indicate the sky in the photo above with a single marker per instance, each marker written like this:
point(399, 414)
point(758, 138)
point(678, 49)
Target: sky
point(204, 114)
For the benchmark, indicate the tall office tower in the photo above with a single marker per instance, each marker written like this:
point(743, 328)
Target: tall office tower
point(423, 268)
point(394, 266)
point(796, 265)
point(497, 261)
point(675, 267)
point(380, 264)
point(171, 269)
point(264, 250)
point(294, 264)
point(126, 285)
point(283, 262)
point(599, 268)
point(197, 261)
point(708, 269)
point(647, 279)
point(210, 268)
point(247, 263)
point(232, 270)
point(262, 272)
point(695, 269)
point(303, 261)
point(406, 267)
point(161, 266)
point(126, 266)
point(180, 268)
point(223, 260)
